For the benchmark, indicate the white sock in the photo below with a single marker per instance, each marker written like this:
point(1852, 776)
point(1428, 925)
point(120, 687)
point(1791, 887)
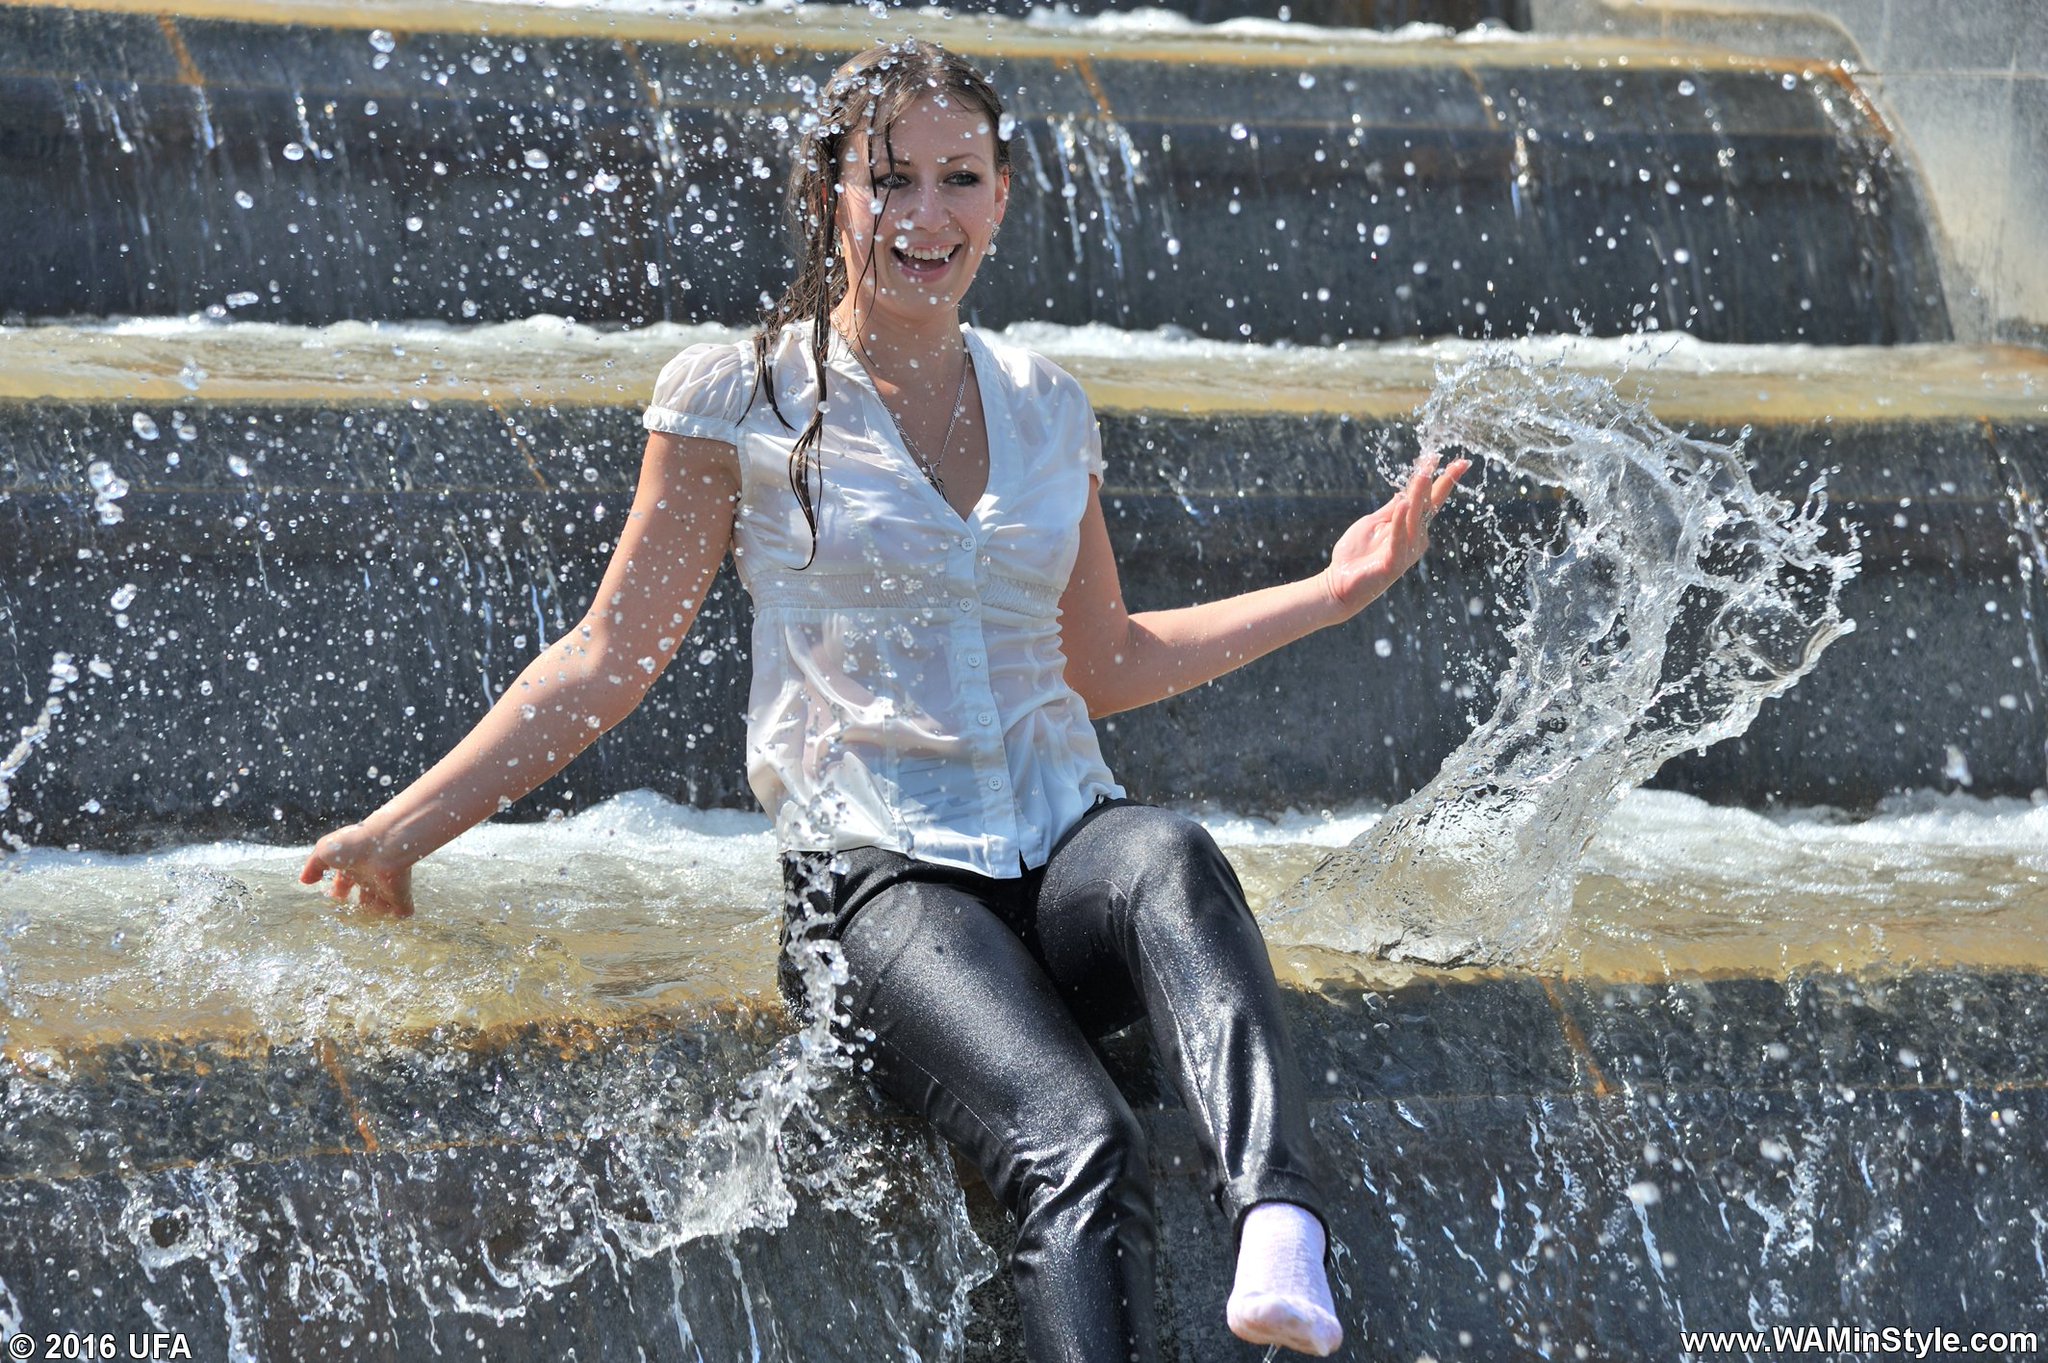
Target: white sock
point(1282, 1295)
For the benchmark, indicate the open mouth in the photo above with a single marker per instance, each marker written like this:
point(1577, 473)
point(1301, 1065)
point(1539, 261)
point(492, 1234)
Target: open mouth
point(922, 264)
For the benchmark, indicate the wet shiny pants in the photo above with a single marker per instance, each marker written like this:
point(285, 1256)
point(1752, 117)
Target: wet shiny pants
point(982, 995)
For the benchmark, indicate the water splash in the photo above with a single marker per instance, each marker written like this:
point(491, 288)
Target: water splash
point(508, 1177)
point(1675, 599)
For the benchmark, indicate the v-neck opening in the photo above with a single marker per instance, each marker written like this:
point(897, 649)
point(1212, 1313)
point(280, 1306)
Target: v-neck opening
point(978, 353)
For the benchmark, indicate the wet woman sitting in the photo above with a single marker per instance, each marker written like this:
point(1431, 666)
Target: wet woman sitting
point(913, 508)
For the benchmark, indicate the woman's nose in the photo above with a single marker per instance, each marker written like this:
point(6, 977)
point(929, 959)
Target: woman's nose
point(922, 206)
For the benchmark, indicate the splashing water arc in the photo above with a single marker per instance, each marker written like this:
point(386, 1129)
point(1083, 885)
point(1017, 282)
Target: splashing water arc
point(1675, 600)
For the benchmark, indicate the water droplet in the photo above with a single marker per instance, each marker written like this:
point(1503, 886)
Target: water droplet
point(1382, 234)
point(604, 182)
point(242, 298)
point(414, 223)
point(239, 465)
point(381, 39)
point(1686, 88)
point(480, 64)
point(536, 158)
point(245, 198)
point(1682, 256)
point(144, 425)
point(1789, 81)
point(294, 152)
point(1173, 246)
point(108, 488)
point(1239, 132)
point(1308, 80)
point(1383, 648)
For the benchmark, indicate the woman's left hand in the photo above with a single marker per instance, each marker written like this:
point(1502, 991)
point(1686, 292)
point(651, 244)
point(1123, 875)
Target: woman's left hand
point(1380, 547)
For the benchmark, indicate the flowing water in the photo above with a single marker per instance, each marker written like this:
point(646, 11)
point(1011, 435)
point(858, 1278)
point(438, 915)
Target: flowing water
point(644, 910)
point(572, 1061)
point(1674, 600)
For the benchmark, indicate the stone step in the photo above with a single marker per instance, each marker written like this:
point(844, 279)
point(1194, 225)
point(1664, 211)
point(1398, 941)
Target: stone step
point(459, 498)
point(1521, 1164)
point(316, 161)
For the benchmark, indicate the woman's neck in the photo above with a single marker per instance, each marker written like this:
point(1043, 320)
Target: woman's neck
point(904, 355)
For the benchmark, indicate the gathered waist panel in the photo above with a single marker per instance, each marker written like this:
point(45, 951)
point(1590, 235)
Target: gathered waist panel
point(782, 589)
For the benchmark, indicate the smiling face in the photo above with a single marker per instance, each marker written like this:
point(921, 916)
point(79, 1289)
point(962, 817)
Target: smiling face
point(917, 210)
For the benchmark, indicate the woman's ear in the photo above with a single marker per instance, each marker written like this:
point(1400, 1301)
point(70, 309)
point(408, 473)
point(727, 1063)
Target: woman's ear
point(1002, 193)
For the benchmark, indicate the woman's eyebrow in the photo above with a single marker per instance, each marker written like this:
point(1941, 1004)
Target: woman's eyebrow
point(896, 160)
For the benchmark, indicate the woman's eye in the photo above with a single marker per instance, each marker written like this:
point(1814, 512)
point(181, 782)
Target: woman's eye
point(890, 181)
point(966, 177)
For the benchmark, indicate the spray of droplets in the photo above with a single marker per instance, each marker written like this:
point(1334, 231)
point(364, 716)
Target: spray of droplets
point(1673, 600)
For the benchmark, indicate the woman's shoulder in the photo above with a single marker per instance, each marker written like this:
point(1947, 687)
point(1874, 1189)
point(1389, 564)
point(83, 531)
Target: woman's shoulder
point(704, 390)
point(709, 362)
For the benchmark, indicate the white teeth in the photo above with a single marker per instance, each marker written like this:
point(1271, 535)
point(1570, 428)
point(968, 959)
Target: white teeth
point(933, 253)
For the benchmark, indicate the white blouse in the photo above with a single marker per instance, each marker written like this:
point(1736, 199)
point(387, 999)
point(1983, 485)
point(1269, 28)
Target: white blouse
point(909, 685)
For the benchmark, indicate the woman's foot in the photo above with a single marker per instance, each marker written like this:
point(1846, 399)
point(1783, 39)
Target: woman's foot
point(1282, 1295)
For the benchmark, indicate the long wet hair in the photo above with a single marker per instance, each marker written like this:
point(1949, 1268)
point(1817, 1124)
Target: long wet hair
point(866, 95)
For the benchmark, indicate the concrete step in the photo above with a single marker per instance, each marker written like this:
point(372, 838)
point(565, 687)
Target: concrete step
point(1524, 1165)
point(316, 161)
point(456, 491)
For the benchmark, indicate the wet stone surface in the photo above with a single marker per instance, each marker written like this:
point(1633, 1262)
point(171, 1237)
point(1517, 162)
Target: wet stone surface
point(465, 538)
point(193, 164)
point(1517, 1166)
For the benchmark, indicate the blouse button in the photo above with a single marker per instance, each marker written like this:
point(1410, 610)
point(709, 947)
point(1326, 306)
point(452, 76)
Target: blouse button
point(974, 660)
point(995, 783)
point(966, 605)
point(967, 541)
point(985, 718)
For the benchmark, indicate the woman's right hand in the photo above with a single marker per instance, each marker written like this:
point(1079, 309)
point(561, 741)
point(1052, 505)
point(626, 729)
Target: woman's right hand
point(361, 862)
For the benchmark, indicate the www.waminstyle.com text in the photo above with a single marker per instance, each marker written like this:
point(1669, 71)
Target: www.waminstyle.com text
point(1844, 1339)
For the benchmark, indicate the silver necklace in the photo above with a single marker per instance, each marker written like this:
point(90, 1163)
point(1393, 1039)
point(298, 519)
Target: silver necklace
point(931, 466)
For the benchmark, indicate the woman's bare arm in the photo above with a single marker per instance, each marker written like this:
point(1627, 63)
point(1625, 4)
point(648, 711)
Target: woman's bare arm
point(1118, 661)
point(673, 539)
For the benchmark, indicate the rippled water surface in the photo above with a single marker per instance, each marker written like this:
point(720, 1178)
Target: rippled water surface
point(641, 904)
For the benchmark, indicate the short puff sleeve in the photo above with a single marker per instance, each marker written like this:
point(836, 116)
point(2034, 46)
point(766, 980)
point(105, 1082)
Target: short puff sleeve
point(1077, 416)
point(703, 392)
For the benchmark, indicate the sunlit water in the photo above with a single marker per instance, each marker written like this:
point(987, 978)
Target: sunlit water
point(640, 906)
point(1672, 600)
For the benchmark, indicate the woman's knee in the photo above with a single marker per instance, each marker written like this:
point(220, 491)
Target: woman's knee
point(1177, 866)
point(1096, 1150)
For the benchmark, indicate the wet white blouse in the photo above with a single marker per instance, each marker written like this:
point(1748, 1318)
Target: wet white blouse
point(909, 685)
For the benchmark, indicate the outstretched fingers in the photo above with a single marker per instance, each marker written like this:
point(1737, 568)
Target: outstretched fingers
point(1441, 486)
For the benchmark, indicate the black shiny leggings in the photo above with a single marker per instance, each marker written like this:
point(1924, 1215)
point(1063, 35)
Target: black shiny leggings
point(982, 995)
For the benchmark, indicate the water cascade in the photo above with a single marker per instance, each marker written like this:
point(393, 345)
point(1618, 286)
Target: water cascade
point(300, 462)
point(1679, 600)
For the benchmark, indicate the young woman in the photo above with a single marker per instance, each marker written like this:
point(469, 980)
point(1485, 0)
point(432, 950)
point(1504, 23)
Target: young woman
point(913, 509)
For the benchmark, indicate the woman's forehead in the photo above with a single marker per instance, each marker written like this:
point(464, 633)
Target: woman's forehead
point(938, 127)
